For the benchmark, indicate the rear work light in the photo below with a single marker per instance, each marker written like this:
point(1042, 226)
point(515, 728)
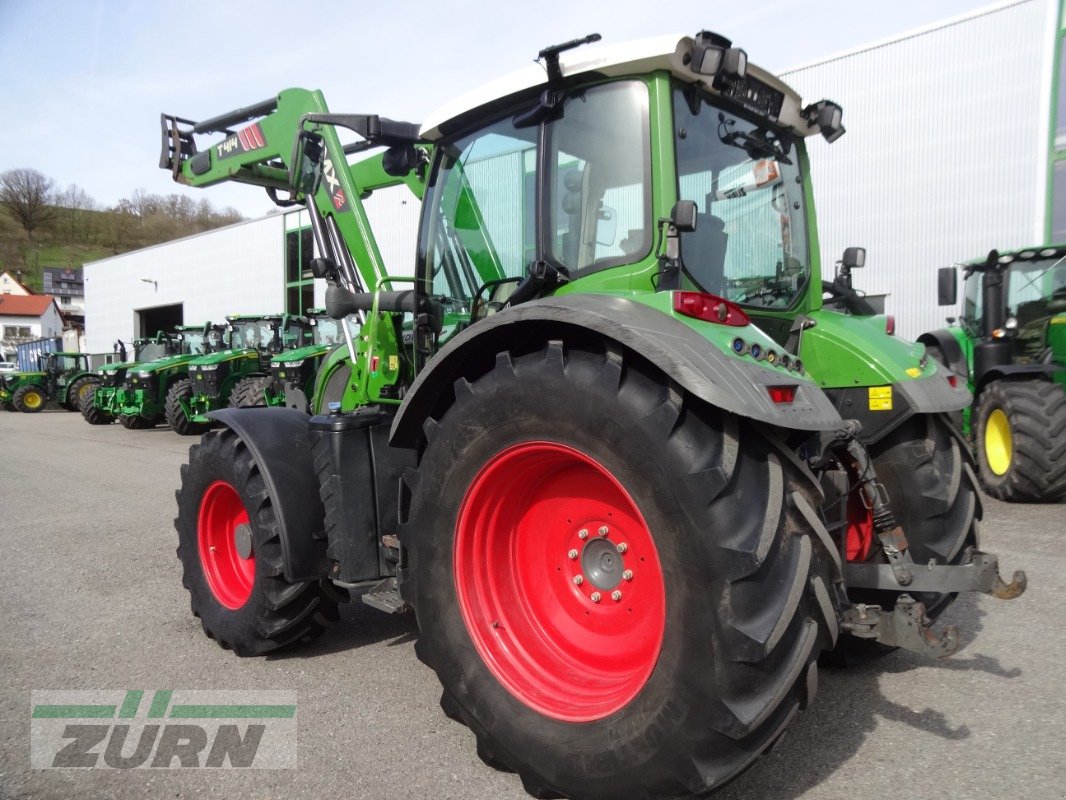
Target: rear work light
point(782, 394)
point(710, 308)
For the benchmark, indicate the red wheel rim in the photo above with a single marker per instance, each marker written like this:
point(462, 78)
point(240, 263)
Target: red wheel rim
point(223, 523)
point(543, 533)
point(860, 528)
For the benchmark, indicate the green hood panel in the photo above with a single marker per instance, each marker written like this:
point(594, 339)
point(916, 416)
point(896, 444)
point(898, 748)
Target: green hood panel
point(302, 353)
point(223, 356)
point(843, 351)
point(166, 363)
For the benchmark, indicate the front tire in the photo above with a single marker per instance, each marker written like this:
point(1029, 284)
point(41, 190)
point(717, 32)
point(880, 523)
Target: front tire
point(230, 551)
point(1020, 440)
point(671, 688)
point(89, 410)
point(78, 391)
point(180, 390)
point(29, 399)
point(250, 392)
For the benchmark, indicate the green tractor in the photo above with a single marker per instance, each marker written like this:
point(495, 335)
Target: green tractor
point(294, 374)
point(610, 447)
point(1009, 347)
point(99, 405)
point(234, 373)
point(62, 377)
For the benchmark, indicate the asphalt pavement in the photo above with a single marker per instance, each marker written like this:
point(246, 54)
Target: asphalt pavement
point(91, 598)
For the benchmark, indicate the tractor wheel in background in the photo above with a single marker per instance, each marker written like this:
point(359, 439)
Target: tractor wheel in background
point(1020, 440)
point(77, 391)
point(230, 553)
point(249, 392)
point(175, 414)
point(617, 578)
point(136, 422)
point(29, 399)
point(92, 414)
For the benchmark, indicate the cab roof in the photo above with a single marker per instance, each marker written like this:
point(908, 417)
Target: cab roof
point(1023, 254)
point(637, 57)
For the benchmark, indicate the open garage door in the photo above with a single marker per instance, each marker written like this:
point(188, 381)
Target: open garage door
point(159, 318)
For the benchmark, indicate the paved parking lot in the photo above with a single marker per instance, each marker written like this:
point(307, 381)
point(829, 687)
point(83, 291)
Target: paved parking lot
point(91, 597)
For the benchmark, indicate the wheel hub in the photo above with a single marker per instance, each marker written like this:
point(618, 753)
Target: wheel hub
point(602, 564)
point(242, 539)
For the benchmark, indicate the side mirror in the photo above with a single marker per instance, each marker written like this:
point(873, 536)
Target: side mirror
point(854, 258)
point(947, 286)
point(606, 226)
point(683, 216)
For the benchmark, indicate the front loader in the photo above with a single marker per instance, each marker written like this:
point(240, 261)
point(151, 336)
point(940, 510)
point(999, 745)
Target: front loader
point(629, 473)
point(62, 377)
point(1010, 348)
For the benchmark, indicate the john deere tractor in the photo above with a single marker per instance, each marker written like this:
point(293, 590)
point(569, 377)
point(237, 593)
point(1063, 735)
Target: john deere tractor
point(1009, 347)
point(646, 478)
point(236, 368)
point(294, 374)
point(62, 377)
point(100, 404)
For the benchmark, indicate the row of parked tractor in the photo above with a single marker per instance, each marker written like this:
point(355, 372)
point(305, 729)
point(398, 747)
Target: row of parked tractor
point(179, 376)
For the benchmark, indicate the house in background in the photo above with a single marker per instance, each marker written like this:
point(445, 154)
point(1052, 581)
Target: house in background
point(24, 318)
point(68, 288)
point(9, 284)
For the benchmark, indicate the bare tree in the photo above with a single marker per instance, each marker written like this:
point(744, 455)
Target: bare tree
point(28, 196)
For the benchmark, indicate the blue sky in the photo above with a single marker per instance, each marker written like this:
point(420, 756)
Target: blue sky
point(82, 83)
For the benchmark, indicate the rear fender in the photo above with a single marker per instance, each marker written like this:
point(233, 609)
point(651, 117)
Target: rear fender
point(278, 440)
point(692, 362)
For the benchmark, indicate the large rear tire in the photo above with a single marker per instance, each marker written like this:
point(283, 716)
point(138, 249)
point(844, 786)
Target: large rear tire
point(92, 414)
point(230, 551)
point(249, 392)
point(29, 399)
point(560, 465)
point(181, 389)
point(1020, 440)
point(78, 390)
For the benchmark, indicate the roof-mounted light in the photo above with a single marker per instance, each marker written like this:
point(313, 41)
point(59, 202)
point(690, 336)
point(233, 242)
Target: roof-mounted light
point(828, 116)
point(714, 54)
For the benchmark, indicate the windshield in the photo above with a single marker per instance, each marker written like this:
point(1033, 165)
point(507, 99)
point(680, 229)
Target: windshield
point(192, 343)
point(251, 333)
point(750, 242)
point(327, 331)
point(1036, 289)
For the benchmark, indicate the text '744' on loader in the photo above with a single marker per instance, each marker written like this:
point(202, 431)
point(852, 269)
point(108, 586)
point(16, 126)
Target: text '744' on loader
point(628, 472)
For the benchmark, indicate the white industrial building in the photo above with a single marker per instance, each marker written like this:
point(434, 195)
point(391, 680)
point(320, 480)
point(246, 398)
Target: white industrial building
point(949, 152)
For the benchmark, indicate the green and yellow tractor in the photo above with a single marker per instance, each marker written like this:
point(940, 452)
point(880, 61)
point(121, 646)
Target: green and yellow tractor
point(234, 372)
point(1009, 348)
point(630, 474)
point(62, 377)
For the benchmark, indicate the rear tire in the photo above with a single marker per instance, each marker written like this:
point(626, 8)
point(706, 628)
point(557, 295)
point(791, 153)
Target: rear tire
point(92, 414)
point(77, 391)
point(181, 389)
point(1020, 440)
point(671, 696)
point(249, 392)
point(29, 399)
point(242, 598)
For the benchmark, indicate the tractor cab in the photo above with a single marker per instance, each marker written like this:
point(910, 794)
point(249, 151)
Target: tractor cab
point(60, 368)
point(268, 335)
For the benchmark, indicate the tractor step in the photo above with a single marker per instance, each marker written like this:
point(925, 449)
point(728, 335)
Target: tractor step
point(385, 596)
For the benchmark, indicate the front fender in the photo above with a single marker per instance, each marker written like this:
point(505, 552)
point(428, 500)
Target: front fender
point(732, 383)
point(278, 439)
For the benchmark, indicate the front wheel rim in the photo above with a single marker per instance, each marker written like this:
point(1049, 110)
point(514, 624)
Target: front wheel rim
point(224, 540)
point(559, 582)
point(998, 442)
point(32, 400)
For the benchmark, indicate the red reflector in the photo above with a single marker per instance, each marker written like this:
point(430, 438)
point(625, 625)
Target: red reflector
point(953, 380)
point(782, 394)
point(890, 325)
point(374, 360)
point(710, 308)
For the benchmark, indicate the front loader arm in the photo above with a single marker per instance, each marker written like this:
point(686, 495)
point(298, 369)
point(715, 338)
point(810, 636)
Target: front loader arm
point(268, 152)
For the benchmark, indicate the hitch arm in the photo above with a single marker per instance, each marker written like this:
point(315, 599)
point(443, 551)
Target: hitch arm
point(980, 575)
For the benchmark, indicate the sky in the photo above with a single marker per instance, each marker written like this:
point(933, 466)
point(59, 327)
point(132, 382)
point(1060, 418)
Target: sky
point(83, 82)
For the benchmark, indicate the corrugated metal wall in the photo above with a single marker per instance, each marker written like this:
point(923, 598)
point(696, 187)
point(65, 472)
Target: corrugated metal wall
point(944, 154)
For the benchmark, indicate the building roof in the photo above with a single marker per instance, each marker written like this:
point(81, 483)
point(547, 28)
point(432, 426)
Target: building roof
point(14, 305)
point(11, 275)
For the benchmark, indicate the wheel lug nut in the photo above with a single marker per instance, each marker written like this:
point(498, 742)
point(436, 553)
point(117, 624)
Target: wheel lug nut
point(602, 531)
point(578, 580)
point(622, 547)
point(582, 534)
point(595, 597)
point(616, 595)
point(627, 575)
point(572, 554)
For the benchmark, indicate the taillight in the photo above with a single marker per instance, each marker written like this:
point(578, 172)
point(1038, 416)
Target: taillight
point(710, 308)
point(953, 380)
point(782, 394)
point(890, 325)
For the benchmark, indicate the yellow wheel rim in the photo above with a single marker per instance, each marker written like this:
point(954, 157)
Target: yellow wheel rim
point(998, 445)
point(84, 390)
point(31, 400)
